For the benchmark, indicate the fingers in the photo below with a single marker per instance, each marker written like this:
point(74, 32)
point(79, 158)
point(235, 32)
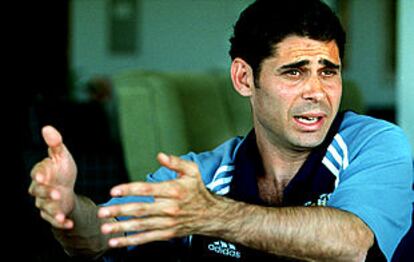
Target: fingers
point(43, 191)
point(49, 211)
point(162, 219)
point(142, 238)
point(49, 207)
point(43, 171)
point(167, 189)
point(181, 166)
point(48, 202)
point(133, 225)
point(61, 224)
point(159, 208)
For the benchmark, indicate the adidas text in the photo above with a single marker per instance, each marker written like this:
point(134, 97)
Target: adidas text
point(223, 248)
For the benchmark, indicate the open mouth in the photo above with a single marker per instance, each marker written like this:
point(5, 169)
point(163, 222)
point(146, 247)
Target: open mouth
point(308, 120)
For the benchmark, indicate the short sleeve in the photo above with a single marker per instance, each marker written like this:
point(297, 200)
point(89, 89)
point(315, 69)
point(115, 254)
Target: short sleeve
point(377, 187)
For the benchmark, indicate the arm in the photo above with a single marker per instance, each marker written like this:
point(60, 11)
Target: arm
point(74, 220)
point(310, 233)
point(184, 206)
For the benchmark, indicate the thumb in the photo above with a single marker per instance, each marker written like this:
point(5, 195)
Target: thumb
point(181, 166)
point(53, 140)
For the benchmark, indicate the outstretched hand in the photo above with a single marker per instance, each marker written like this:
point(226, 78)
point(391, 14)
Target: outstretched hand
point(53, 181)
point(181, 206)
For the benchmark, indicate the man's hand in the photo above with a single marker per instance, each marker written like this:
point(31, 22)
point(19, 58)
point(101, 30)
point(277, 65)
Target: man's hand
point(53, 181)
point(180, 206)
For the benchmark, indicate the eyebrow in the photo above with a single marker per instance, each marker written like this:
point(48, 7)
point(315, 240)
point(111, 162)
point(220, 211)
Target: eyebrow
point(329, 64)
point(295, 65)
point(301, 63)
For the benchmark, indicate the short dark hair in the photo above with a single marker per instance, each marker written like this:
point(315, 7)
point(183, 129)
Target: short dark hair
point(265, 23)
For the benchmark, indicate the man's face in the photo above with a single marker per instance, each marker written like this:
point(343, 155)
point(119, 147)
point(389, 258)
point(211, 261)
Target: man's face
point(298, 93)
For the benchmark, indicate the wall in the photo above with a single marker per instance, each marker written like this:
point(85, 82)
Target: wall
point(172, 35)
point(369, 43)
point(405, 68)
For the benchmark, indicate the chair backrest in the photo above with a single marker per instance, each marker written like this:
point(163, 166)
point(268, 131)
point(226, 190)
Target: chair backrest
point(175, 113)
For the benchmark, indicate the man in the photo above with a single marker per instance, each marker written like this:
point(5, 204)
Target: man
point(306, 183)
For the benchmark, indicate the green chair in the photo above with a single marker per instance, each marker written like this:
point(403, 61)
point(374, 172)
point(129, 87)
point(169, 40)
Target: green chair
point(175, 113)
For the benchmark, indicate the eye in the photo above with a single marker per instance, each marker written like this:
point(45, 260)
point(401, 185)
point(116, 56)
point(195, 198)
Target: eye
point(329, 72)
point(293, 73)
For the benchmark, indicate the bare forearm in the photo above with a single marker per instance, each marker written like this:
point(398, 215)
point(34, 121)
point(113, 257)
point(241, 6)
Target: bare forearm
point(85, 239)
point(309, 233)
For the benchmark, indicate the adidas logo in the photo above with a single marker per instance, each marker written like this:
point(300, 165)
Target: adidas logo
point(223, 248)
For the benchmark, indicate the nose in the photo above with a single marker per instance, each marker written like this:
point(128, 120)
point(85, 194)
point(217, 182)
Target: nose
point(313, 90)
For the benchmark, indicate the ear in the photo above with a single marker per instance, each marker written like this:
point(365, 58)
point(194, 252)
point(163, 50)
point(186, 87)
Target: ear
point(242, 77)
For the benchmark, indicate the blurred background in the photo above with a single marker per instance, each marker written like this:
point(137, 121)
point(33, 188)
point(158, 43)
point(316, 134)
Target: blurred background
point(72, 59)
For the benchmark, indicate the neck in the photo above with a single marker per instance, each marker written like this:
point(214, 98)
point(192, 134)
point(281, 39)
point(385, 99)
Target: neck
point(279, 163)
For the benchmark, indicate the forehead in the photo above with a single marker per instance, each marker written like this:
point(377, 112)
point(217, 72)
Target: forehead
point(296, 48)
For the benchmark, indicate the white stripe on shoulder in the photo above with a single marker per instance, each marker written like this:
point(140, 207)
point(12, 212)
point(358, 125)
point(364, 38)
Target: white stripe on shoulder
point(335, 154)
point(223, 191)
point(331, 168)
point(222, 169)
point(219, 182)
point(344, 148)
